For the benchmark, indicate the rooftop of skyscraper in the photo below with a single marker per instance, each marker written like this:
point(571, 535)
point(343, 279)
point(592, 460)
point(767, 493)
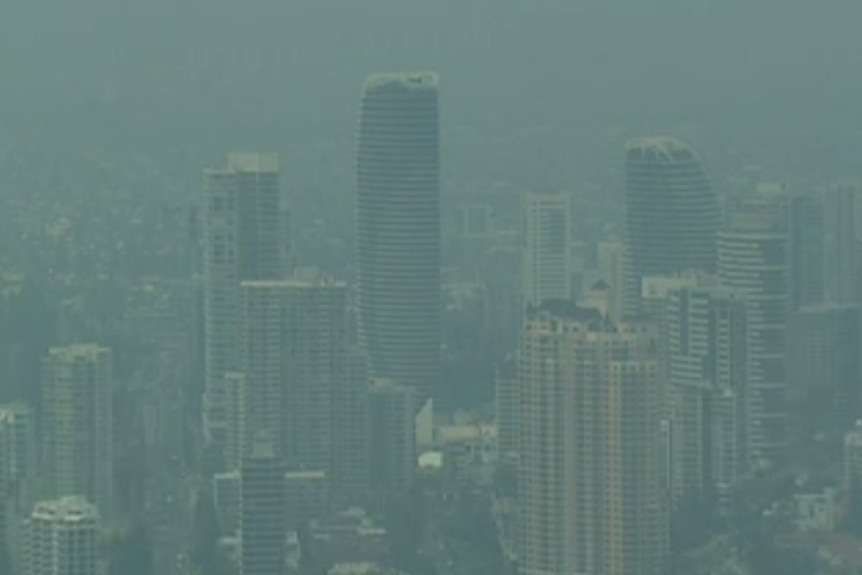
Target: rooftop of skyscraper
point(252, 162)
point(70, 508)
point(402, 81)
point(664, 148)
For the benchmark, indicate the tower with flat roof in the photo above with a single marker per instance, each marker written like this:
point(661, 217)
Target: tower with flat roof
point(262, 527)
point(78, 428)
point(294, 356)
point(243, 241)
point(547, 252)
point(754, 261)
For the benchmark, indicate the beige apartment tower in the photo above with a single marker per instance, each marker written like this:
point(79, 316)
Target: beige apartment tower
point(590, 466)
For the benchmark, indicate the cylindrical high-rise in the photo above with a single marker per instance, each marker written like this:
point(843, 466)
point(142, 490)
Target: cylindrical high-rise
point(672, 214)
point(398, 228)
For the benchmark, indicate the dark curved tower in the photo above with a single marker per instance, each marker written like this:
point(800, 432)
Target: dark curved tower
point(672, 214)
point(398, 229)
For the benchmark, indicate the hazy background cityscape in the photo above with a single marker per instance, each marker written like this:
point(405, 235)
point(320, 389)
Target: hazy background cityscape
point(152, 424)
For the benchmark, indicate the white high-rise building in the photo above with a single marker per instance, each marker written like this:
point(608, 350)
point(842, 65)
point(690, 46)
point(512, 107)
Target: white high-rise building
point(754, 262)
point(243, 240)
point(706, 355)
point(63, 538)
point(547, 248)
point(78, 424)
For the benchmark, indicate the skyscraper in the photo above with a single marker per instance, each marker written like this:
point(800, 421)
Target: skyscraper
point(707, 350)
point(79, 425)
point(261, 511)
point(806, 243)
point(242, 241)
point(843, 253)
point(294, 355)
point(547, 252)
point(398, 229)
point(19, 437)
point(590, 464)
point(823, 368)
point(672, 214)
point(754, 261)
point(62, 538)
point(391, 437)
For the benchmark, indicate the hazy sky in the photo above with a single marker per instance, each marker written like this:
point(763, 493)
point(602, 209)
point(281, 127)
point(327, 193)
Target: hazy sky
point(751, 68)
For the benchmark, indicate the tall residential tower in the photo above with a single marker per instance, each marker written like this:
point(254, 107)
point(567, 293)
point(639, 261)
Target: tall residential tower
point(243, 241)
point(294, 356)
point(547, 253)
point(754, 262)
point(590, 467)
point(78, 428)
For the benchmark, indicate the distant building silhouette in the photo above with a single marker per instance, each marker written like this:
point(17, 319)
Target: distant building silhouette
point(823, 367)
point(391, 437)
point(806, 242)
point(547, 251)
point(672, 214)
point(398, 229)
point(843, 243)
point(611, 264)
point(78, 424)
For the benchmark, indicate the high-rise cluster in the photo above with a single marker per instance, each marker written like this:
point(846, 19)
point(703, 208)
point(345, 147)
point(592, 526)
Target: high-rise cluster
point(290, 410)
